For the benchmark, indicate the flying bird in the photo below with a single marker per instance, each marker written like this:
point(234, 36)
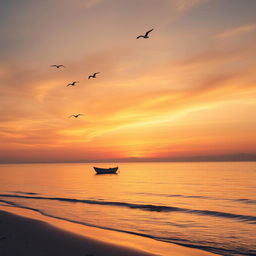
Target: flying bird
point(58, 66)
point(93, 76)
point(146, 34)
point(72, 84)
point(76, 116)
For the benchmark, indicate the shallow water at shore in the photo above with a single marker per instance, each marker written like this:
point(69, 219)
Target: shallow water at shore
point(210, 206)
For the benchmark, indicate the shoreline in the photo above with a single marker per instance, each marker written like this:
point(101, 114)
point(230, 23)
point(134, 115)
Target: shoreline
point(74, 238)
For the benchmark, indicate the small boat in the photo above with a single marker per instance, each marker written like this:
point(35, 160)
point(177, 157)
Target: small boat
point(105, 170)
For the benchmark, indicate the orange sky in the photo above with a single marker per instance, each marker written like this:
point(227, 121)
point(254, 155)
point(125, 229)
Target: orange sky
point(188, 90)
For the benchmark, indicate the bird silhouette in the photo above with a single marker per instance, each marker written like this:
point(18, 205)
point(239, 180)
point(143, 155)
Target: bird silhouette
point(58, 66)
point(146, 34)
point(73, 83)
point(76, 116)
point(93, 76)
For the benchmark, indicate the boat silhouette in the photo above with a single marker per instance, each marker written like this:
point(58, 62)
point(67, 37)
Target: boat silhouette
point(105, 170)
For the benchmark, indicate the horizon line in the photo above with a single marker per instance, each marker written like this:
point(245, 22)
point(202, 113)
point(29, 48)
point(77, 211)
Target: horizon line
point(240, 157)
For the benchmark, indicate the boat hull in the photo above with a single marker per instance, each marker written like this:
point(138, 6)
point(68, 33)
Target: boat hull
point(106, 171)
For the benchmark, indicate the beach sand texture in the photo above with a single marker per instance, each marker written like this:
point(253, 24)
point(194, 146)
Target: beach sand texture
point(23, 236)
point(29, 237)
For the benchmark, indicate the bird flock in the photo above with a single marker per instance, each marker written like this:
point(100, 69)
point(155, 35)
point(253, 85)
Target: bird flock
point(94, 75)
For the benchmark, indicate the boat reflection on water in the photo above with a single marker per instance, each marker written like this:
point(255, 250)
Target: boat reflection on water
point(106, 170)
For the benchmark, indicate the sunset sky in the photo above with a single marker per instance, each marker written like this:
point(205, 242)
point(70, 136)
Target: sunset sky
point(188, 90)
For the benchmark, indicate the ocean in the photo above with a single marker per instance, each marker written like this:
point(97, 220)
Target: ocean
point(210, 206)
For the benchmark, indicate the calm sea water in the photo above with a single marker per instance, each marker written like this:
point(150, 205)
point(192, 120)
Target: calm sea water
point(211, 206)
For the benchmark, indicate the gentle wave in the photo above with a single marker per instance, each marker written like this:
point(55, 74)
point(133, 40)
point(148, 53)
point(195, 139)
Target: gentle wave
point(145, 207)
point(240, 200)
point(25, 193)
point(245, 200)
point(183, 242)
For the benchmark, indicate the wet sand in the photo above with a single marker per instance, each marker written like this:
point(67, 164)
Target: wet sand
point(20, 236)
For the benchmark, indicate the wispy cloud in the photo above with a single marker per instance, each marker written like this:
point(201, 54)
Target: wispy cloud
point(236, 31)
point(82, 3)
point(184, 5)
point(91, 3)
point(110, 105)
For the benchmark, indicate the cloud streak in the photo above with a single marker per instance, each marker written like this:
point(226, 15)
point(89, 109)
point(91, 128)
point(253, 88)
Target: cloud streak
point(184, 5)
point(234, 32)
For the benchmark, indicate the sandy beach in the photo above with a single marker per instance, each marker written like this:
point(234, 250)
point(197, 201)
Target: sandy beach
point(20, 235)
point(23, 236)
